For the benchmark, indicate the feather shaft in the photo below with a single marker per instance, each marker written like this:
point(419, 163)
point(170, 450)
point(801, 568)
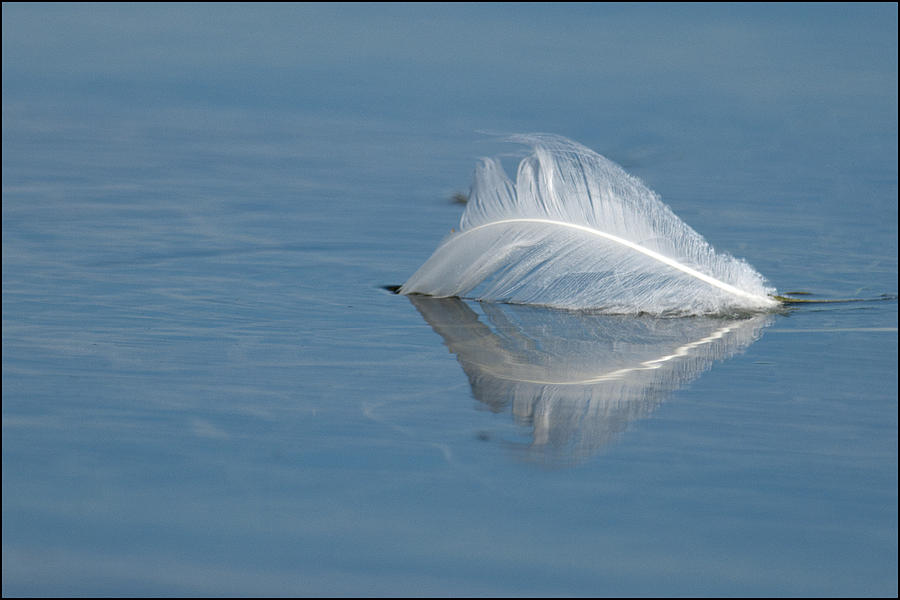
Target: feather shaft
point(646, 251)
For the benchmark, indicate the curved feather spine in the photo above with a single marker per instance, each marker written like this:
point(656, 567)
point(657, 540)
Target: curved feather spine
point(646, 251)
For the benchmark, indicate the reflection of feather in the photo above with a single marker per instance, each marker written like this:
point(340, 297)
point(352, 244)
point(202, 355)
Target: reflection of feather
point(577, 379)
point(576, 231)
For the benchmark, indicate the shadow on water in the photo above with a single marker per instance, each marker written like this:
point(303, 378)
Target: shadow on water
point(577, 380)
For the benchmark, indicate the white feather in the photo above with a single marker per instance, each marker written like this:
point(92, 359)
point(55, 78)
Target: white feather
point(576, 231)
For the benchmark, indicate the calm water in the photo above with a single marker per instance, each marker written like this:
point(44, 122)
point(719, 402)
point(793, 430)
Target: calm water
point(207, 391)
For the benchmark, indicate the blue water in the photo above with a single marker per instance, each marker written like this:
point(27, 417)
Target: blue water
point(207, 391)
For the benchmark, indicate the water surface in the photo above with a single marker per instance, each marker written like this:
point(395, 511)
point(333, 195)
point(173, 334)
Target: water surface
point(207, 391)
